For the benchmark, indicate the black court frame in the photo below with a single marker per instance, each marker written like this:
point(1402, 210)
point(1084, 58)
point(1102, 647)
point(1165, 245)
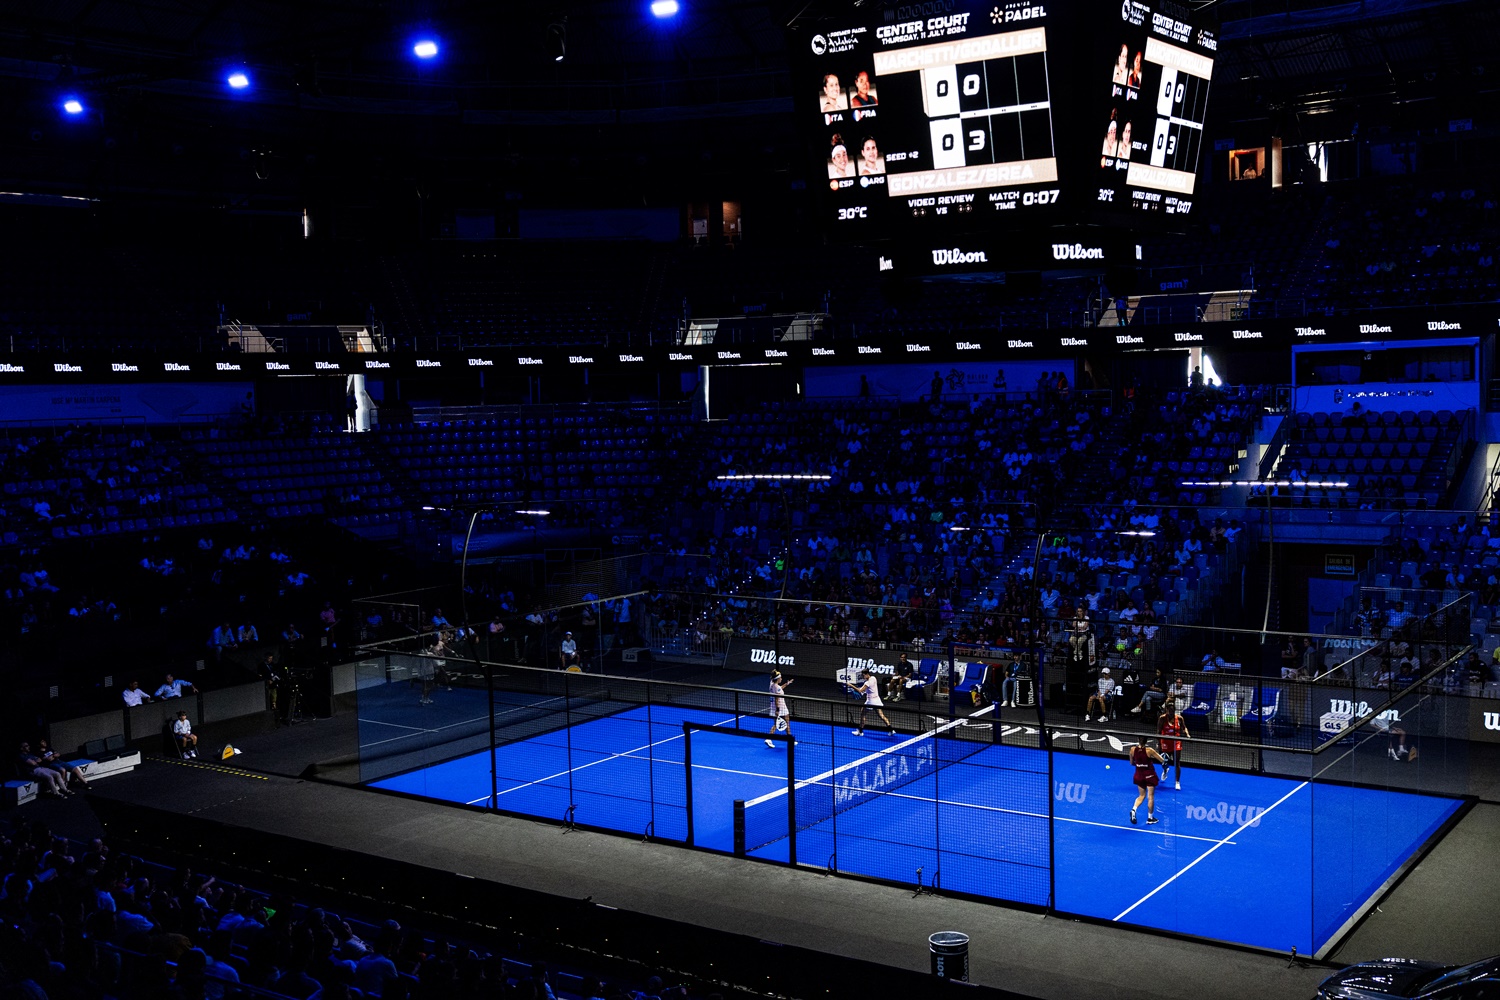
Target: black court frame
point(688, 728)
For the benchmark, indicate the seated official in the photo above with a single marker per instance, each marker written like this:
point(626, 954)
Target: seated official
point(1102, 697)
point(182, 732)
point(568, 651)
point(901, 677)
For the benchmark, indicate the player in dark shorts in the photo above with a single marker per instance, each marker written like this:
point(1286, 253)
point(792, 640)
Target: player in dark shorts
point(1171, 725)
point(1144, 760)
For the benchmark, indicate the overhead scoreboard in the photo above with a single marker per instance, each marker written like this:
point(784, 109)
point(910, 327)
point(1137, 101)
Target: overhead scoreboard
point(1151, 122)
point(963, 117)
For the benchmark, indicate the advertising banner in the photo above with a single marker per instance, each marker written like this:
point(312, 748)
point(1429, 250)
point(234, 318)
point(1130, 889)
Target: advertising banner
point(808, 659)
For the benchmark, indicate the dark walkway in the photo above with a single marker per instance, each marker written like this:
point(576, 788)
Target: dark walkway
point(1442, 910)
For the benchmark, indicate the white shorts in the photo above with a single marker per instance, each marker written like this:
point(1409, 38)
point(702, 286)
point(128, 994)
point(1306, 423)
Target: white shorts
point(874, 703)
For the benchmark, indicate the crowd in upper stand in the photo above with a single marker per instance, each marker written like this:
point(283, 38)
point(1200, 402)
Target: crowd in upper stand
point(923, 529)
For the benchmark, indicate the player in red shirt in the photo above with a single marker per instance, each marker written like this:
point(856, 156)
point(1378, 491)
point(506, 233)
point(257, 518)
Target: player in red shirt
point(1170, 725)
point(1144, 760)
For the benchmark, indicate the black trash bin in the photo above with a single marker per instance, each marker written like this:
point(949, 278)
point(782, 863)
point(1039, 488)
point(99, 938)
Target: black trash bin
point(950, 955)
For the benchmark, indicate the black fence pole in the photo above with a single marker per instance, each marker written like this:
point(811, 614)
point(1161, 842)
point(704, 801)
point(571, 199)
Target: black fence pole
point(687, 764)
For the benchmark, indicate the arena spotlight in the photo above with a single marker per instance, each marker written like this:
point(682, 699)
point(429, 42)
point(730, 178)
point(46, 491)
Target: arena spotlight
point(425, 48)
point(664, 8)
point(238, 80)
point(557, 40)
point(73, 106)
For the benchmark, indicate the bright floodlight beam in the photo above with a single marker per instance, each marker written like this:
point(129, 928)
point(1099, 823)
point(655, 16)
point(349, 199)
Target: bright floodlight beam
point(425, 48)
point(238, 80)
point(665, 8)
point(73, 106)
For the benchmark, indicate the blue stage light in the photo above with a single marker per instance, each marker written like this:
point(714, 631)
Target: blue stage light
point(73, 106)
point(425, 48)
point(664, 8)
point(238, 79)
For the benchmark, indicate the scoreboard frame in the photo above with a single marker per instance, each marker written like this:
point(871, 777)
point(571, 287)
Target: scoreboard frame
point(938, 121)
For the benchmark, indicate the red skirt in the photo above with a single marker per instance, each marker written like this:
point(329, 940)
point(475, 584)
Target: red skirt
point(1146, 777)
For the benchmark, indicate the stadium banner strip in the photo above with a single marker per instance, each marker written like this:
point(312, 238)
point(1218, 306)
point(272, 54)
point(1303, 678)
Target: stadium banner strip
point(83, 369)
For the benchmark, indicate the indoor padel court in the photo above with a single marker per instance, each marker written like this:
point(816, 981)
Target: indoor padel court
point(1246, 858)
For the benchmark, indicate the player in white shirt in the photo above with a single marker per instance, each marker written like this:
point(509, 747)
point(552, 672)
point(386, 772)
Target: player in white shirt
point(870, 688)
point(781, 716)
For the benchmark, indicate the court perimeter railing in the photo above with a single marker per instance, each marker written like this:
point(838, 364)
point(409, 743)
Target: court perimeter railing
point(1013, 804)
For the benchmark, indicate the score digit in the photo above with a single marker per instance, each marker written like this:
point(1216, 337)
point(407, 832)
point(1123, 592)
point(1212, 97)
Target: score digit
point(1048, 197)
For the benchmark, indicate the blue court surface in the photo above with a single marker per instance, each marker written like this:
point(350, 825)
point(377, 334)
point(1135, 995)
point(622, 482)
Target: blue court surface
point(1246, 858)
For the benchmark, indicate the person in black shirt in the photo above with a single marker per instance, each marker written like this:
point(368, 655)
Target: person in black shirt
point(901, 675)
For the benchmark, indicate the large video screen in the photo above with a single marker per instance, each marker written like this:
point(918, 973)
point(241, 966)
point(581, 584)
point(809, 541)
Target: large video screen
point(1150, 89)
point(993, 116)
point(933, 124)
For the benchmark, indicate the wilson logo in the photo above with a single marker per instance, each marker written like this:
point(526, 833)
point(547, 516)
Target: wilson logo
point(956, 256)
point(1189, 338)
point(1019, 343)
point(1126, 338)
point(1360, 709)
point(860, 663)
point(1071, 791)
point(1247, 335)
point(769, 656)
point(1231, 815)
point(1492, 721)
point(1076, 251)
point(1310, 331)
point(1373, 328)
point(1441, 325)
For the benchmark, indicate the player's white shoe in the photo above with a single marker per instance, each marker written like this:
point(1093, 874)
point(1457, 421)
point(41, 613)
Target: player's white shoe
point(1177, 785)
point(1132, 817)
point(1152, 821)
point(771, 744)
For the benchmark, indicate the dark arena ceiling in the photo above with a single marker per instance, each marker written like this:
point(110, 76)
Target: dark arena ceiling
point(637, 102)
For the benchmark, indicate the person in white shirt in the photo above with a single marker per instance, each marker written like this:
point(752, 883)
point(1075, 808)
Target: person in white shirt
point(182, 731)
point(781, 716)
point(870, 688)
point(172, 688)
point(133, 695)
point(1101, 697)
point(568, 651)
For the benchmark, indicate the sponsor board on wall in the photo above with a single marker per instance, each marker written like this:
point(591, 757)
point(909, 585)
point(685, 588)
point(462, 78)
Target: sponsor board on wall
point(808, 659)
point(1484, 720)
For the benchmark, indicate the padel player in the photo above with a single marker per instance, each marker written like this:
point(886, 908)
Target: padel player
point(1144, 760)
point(1168, 727)
point(870, 688)
point(781, 716)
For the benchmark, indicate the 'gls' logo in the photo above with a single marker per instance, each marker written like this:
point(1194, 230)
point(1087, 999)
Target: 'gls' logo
point(1072, 791)
point(1492, 721)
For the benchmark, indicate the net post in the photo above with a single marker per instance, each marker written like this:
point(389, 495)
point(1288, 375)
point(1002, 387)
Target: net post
point(687, 768)
point(739, 827)
point(791, 799)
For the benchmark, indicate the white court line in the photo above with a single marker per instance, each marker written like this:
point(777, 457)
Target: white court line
point(1206, 853)
point(438, 729)
point(601, 760)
